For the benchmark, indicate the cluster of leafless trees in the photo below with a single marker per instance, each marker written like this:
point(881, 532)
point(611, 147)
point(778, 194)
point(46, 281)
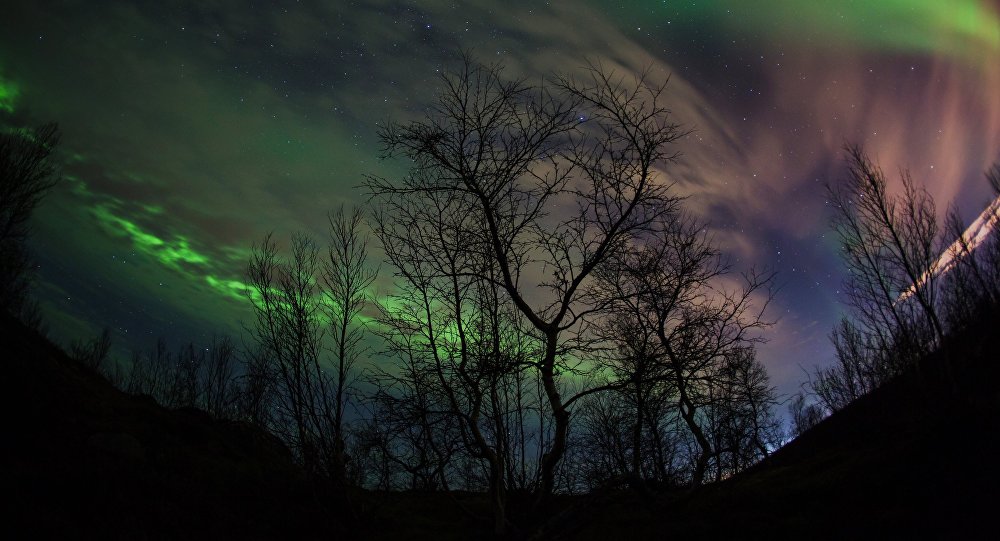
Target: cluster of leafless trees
point(209, 378)
point(546, 272)
point(190, 376)
point(557, 321)
point(910, 281)
point(687, 385)
point(308, 339)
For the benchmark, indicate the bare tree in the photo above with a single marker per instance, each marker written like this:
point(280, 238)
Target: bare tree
point(289, 331)
point(907, 286)
point(862, 365)
point(803, 415)
point(972, 272)
point(605, 432)
point(151, 373)
point(620, 425)
point(255, 401)
point(458, 344)
point(609, 431)
point(185, 389)
point(741, 413)
point(299, 303)
point(704, 331)
point(514, 158)
point(27, 173)
point(95, 352)
point(191, 376)
point(347, 278)
point(889, 246)
point(218, 382)
point(412, 433)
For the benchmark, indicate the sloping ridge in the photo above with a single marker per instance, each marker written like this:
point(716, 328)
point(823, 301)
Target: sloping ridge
point(917, 458)
point(85, 459)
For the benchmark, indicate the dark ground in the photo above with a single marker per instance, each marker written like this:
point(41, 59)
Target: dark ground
point(916, 459)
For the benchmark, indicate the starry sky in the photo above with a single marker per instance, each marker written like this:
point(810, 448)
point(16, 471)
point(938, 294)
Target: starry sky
point(193, 128)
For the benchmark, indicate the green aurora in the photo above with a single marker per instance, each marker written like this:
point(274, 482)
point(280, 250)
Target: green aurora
point(9, 92)
point(963, 29)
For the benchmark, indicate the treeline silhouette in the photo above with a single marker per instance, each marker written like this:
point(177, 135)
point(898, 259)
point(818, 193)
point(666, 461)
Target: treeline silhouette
point(910, 285)
point(557, 322)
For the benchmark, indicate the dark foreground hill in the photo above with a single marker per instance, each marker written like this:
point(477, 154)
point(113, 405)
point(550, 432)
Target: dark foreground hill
point(83, 460)
point(916, 459)
point(86, 460)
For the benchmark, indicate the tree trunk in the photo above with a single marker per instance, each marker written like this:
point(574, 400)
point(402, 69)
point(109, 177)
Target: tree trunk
point(551, 458)
point(498, 497)
point(637, 433)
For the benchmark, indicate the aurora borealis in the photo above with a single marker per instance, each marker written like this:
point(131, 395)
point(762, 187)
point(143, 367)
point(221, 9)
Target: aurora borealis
point(193, 128)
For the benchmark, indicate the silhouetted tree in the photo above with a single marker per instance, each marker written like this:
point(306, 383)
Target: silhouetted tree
point(622, 429)
point(27, 172)
point(287, 305)
point(151, 373)
point(803, 415)
point(741, 413)
point(907, 285)
point(93, 353)
point(512, 158)
point(459, 350)
point(862, 365)
point(298, 304)
point(608, 432)
point(346, 277)
point(255, 402)
point(972, 279)
point(412, 433)
point(185, 385)
point(191, 376)
point(890, 247)
point(703, 331)
point(219, 389)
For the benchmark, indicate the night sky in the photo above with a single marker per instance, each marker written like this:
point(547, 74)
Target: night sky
point(193, 128)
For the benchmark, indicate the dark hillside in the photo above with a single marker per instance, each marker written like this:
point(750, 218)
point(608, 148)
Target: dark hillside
point(86, 459)
point(912, 460)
